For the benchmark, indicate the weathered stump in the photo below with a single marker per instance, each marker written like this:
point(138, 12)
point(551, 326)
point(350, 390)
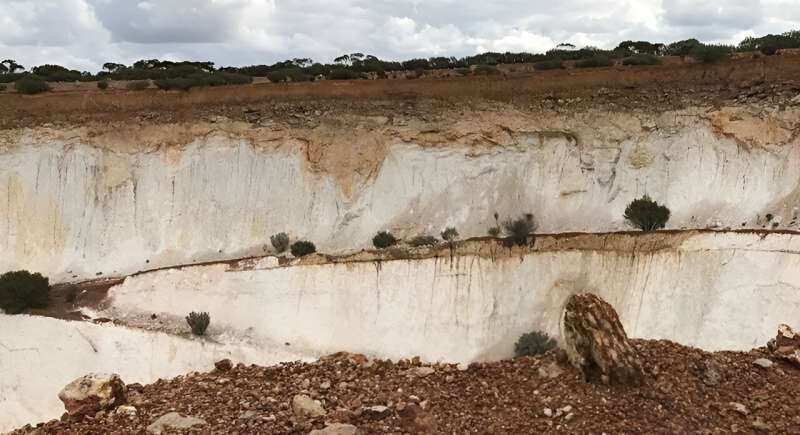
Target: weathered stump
point(596, 343)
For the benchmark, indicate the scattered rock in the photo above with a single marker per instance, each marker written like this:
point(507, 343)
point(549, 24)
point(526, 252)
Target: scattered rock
point(550, 371)
point(764, 363)
point(786, 345)
point(224, 365)
point(596, 342)
point(336, 429)
point(92, 393)
point(548, 412)
point(713, 372)
point(305, 407)
point(416, 420)
point(759, 424)
point(738, 407)
point(378, 410)
point(422, 371)
point(125, 410)
point(173, 421)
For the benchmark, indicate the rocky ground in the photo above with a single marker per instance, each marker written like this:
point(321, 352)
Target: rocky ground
point(686, 391)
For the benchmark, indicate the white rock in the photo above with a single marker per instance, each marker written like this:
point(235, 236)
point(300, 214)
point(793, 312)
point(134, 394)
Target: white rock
point(305, 407)
point(92, 393)
point(738, 407)
point(336, 429)
point(173, 421)
point(764, 363)
point(548, 412)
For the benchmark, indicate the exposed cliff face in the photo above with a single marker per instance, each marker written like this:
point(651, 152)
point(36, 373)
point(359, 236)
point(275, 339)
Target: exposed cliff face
point(120, 198)
point(716, 291)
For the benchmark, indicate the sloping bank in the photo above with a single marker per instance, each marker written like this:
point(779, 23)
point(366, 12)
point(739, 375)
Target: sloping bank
point(713, 290)
point(39, 356)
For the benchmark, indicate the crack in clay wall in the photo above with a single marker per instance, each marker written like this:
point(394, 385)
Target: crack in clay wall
point(73, 211)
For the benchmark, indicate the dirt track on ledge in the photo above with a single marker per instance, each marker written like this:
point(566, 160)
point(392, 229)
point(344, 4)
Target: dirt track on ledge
point(688, 391)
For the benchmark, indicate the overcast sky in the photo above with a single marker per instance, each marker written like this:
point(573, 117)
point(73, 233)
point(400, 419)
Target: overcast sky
point(83, 34)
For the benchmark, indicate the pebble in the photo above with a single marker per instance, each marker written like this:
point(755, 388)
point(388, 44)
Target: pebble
point(763, 362)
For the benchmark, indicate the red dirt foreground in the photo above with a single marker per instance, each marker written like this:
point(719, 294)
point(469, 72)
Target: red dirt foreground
point(644, 387)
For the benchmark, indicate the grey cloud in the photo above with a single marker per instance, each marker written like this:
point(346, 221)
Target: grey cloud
point(86, 33)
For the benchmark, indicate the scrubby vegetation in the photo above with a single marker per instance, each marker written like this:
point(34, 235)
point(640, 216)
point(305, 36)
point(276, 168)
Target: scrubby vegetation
point(710, 53)
point(198, 322)
point(646, 214)
point(518, 230)
point(20, 290)
point(384, 239)
point(548, 65)
point(138, 85)
point(302, 248)
point(424, 240)
point(641, 59)
point(450, 234)
point(594, 62)
point(280, 242)
point(533, 343)
point(102, 84)
point(30, 84)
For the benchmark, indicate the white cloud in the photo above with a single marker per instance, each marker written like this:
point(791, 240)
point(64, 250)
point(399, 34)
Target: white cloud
point(85, 33)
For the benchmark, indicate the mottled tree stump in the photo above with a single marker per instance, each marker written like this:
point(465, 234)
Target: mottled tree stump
point(596, 343)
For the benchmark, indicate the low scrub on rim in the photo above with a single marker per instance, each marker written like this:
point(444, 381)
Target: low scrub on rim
point(20, 290)
point(384, 239)
point(450, 234)
point(302, 248)
point(533, 343)
point(424, 240)
point(198, 322)
point(280, 242)
point(646, 214)
point(518, 230)
point(30, 84)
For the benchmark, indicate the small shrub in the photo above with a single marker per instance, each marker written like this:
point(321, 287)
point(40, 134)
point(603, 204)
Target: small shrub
point(3, 88)
point(343, 74)
point(178, 83)
point(450, 234)
point(277, 76)
point(302, 248)
point(646, 214)
point(233, 78)
point(768, 49)
point(198, 322)
point(31, 84)
point(280, 242)
point(533, 343)
point(21, 289)
point(594, 62)
point(424, 240)
point(486, 70)
point(138, 85)
point(518, 230)
point(494, 231)
point(384, 239)
point(710, 53)
point(102, 85)
point(641, 59)
point(548, 65)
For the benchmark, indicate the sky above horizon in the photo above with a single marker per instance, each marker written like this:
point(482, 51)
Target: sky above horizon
point(84, 34)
